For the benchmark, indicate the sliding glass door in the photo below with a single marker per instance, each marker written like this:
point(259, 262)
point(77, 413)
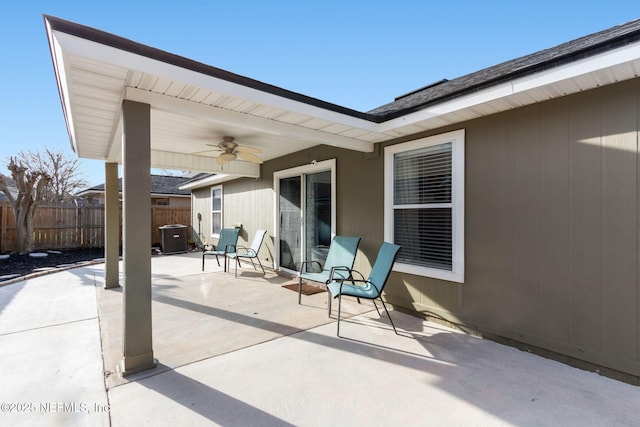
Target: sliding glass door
point(290, 201)
point(306, 213)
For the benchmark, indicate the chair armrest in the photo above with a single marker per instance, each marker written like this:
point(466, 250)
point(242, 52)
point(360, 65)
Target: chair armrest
point(303, 263)
point(247, 251)
point(338, 268)
point(351, 271)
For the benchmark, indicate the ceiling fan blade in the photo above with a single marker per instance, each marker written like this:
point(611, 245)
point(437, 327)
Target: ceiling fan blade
point(204, 151)
point(243, 149)
point(250, 157)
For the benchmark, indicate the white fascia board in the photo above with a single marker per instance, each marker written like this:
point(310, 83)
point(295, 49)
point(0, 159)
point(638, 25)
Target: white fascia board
point(610, 59)
point(204, 182)
point(118, 57)
point(454, 105)
point(207, 182)
point(61, 72)
point(613, 58)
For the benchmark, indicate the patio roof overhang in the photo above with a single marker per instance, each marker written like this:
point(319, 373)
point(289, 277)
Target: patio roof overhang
point(193, 104)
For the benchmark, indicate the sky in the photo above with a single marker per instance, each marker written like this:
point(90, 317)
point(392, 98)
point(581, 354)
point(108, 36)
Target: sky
point(357, 54)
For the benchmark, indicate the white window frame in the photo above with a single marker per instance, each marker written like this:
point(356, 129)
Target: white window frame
point(214, 188)
point(456, 138)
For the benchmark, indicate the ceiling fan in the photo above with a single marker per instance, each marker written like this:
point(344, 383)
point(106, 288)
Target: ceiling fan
point(231, 151)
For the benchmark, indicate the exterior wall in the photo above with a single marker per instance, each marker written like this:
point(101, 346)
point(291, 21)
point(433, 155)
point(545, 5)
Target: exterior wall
point(250, 202)
point(551, 230)
point(551, 225)
point(201, 206)
point(245, 201)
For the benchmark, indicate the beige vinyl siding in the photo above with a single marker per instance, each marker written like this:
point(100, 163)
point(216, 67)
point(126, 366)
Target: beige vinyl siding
point(201, 204)
point(250, 202)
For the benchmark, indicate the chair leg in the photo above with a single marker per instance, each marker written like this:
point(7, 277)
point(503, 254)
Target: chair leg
point(376, 306)
point(388, 315)
point(217, 260)
point(203, 261)
point(260, 265)
point(329, 304)
point(300, 290)
point(339, 309)
point(237, 264)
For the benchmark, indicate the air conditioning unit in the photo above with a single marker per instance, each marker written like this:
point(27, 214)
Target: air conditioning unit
point(173, 238)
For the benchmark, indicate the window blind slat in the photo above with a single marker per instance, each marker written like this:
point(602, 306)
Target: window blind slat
point(425, 236)
point(423, 175)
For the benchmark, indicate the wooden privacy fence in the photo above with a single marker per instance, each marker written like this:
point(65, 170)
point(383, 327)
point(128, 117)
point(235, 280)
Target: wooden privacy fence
point(74, 227)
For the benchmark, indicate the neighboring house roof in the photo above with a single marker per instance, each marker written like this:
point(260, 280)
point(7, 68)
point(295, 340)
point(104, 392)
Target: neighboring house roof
point(161, 185)
point(12, 188)
point(196, 104)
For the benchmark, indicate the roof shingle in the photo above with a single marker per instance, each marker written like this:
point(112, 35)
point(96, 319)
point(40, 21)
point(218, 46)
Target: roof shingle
point(567, 52)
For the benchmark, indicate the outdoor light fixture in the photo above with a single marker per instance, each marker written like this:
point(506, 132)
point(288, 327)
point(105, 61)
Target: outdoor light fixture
point(227, 157)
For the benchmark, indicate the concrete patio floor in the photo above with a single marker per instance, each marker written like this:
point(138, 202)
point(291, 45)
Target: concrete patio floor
point(243, 352)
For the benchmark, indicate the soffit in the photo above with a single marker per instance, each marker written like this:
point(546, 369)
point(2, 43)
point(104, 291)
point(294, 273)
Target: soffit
point(188, 111)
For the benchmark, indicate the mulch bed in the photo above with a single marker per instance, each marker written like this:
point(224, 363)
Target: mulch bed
point(22, 265)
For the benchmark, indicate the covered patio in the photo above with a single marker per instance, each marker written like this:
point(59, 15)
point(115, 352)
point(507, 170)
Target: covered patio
point(243, 352)
point(139, 107)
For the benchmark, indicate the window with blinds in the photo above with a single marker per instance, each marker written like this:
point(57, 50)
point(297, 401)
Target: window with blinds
point(424, 204)
point(216, 211)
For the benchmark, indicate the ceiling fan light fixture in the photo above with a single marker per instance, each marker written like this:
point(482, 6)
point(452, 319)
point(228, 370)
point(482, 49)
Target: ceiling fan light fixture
point(227, 157)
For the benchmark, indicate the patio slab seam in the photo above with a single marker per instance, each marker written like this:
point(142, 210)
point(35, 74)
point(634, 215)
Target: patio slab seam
point(54, 325)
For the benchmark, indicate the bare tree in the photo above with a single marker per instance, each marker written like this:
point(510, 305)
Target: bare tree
point(30, 188)
point(48, 176)
point(65, 177)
